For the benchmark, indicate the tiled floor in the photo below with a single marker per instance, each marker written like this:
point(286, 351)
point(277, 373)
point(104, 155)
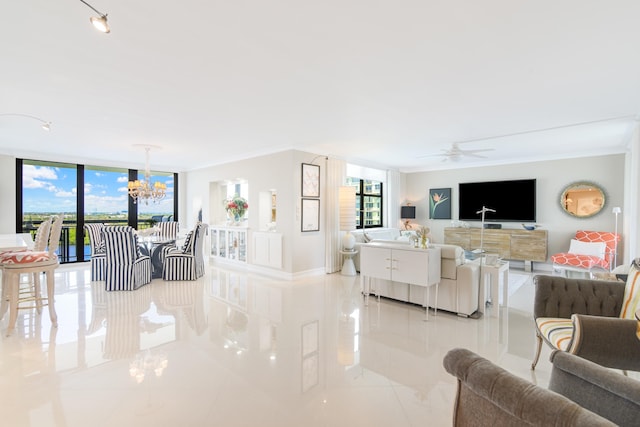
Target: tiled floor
point(236, 349)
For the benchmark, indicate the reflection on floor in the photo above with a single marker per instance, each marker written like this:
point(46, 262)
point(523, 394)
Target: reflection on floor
point(237, 349)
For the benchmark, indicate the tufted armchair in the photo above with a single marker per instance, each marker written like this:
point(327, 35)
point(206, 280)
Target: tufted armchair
point(592, 319)
point(580, 393)
point(126, 268)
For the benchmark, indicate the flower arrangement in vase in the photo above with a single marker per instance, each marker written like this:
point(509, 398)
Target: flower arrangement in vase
point(236, 207)
point(423, 233)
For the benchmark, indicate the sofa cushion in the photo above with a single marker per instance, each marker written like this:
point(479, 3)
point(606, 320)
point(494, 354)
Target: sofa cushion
point(451, 257)
point(453, 252)
point(448, 269)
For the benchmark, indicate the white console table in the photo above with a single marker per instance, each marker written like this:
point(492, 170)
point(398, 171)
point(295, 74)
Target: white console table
point(400, 263)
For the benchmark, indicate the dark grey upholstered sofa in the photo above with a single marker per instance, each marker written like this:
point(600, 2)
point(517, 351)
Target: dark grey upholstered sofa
point(594, 307)
point(580, 393)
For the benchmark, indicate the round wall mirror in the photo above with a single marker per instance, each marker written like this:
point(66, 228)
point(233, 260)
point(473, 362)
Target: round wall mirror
point(582, 199)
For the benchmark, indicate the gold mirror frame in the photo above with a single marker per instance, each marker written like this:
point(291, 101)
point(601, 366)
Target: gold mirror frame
point(582, 199)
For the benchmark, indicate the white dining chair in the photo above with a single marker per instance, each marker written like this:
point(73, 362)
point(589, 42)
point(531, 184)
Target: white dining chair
point(32, 263)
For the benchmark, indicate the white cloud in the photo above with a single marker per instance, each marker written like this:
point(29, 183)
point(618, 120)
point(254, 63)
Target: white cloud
point(122, 179)
point(33, 176)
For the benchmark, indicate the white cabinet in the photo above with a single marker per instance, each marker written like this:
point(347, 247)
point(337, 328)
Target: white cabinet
point(267, 249)
point(229, 243)
point(401, 264)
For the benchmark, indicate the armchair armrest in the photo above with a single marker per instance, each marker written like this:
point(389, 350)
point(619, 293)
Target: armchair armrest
point(598, 389)
point(607, 341)
point(561, 297)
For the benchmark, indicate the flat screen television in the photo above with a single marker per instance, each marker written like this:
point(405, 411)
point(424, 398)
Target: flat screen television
point(513, 200)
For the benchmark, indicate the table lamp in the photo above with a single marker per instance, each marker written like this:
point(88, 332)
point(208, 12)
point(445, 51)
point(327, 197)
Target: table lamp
point(407, 213)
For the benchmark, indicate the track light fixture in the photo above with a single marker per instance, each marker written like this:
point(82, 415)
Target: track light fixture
point(99, 22)
point(45, 124)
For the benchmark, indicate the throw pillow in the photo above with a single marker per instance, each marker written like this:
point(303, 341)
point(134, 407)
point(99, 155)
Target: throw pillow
point(367, 238)
point(587, 248)
point(630, 303)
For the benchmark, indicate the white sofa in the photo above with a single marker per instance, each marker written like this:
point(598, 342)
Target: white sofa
point(459, 285)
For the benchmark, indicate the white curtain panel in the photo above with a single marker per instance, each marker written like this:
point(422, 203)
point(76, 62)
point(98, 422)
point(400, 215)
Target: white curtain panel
point(631, 208)
point(392, 195)
point(335, 178)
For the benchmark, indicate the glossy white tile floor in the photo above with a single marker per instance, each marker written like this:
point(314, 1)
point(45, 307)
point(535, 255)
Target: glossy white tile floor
point(235, 349)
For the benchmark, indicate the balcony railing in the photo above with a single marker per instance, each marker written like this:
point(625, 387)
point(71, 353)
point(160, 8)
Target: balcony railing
point(67, 251)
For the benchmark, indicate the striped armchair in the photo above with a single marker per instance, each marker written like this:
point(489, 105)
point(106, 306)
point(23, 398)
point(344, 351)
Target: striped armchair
point(126, 269)
point(186, 263)
point(98, 255)
point(168, 229)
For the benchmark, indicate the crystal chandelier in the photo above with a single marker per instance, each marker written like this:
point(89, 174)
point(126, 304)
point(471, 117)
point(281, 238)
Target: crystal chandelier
point(144, 189)
point(146, 362)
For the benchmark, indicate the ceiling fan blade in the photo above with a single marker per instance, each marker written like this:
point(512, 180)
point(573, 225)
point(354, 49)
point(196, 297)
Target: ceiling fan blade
point(481, 150)
point(455, 153)
point(435, 155)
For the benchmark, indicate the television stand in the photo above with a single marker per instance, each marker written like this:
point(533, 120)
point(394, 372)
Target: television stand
point(520, 245)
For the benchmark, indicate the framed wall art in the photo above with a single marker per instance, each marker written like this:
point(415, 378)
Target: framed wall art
point(440, 203)
point(310, 180)
point(310, 215)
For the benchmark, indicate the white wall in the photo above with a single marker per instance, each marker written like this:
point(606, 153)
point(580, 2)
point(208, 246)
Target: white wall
point(8, 194)
point(551, 176)
point(281, 172)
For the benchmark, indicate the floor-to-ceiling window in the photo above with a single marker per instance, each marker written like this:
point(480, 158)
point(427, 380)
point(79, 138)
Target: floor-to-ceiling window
point(47, 188)
point(369, 202)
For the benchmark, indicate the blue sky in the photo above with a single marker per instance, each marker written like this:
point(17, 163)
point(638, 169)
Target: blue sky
point(53, 189)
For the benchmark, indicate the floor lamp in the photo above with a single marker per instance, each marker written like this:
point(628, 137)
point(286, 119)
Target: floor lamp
point(347, 202)
point(483, 211)
point(616, 210)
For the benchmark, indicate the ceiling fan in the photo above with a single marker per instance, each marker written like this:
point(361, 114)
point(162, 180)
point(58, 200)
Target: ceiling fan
point(455, 153)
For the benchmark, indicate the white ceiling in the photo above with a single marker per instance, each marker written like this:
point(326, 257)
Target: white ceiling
point(383, 82)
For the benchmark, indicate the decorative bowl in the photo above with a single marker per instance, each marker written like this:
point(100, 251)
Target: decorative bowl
point(529, 227)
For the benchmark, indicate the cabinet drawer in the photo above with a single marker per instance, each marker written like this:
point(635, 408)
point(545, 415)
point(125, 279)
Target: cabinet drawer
point(529, 247)
point(457, 237)
point(497, 243)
